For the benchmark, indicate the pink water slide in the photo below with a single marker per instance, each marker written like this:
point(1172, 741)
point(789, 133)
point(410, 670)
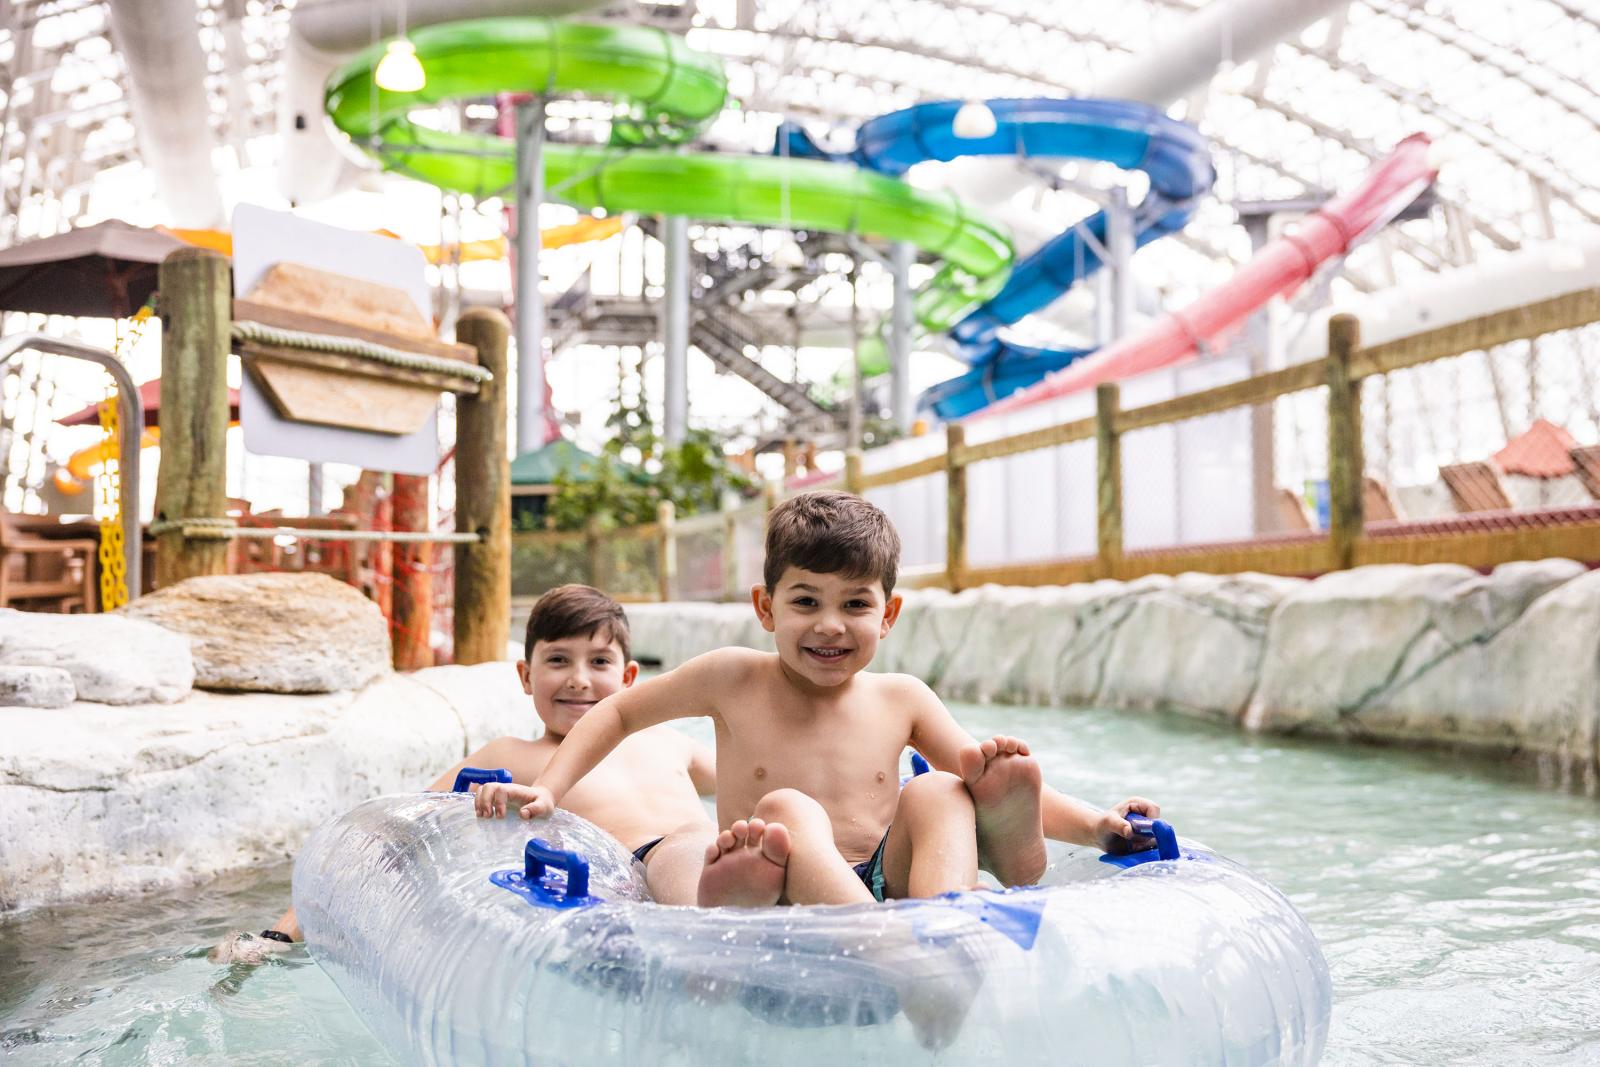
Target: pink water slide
point(1280, 268)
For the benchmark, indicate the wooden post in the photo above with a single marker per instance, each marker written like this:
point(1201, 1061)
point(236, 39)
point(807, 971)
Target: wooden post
point(483, 497)
point(955, 498)
point(852, 471)
point(730, 551)
point(196, 316)
point(791, 457)
point(666, 551)
point(1346, 514)
point(411, 624)
point(591, 550)
point(771, 495)
point(1108, 477)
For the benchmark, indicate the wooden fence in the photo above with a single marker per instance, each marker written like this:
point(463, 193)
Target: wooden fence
point(1348, 541)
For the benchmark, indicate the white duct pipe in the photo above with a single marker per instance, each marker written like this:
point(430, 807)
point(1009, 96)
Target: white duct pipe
point(1540, 272)
point(159, 41)
point(323, 35)
point(1226, 31)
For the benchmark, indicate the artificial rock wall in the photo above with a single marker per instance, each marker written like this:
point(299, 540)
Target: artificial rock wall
point(1507, 662)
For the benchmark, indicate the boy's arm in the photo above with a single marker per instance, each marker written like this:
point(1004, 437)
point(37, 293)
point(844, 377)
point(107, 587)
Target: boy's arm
point(1071, 820)
point(679, 694)
point(934, 731)
point(702, 768)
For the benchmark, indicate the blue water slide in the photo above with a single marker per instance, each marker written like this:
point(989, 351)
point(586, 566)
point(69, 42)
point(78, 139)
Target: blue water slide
point(1130, 135)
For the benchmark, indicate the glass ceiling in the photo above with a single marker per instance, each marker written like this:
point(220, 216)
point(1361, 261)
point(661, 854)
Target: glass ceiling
point(1507, 84)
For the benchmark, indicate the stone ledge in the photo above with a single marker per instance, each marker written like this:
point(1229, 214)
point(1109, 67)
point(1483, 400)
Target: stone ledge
point(96, 800)
point(1507, 662)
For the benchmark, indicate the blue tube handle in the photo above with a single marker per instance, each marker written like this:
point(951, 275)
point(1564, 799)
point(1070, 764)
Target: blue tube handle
point(541, 854)
point(919, 765)
point(1160, 829)
point(479, 776)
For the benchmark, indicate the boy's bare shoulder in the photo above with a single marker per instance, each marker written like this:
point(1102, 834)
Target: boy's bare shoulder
point(524, 758)
point(898, 685)
point(734, 662)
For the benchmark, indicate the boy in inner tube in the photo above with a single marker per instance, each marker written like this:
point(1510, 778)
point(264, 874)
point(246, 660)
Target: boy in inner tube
point(808, 743)
point(646, 794)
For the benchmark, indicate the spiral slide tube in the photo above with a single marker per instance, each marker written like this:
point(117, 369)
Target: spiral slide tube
point(672, 91)
point(1131, 135)
point(1279, 268)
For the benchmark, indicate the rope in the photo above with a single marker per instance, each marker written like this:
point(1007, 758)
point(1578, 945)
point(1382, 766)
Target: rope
point(227, 529)
point(350, 346)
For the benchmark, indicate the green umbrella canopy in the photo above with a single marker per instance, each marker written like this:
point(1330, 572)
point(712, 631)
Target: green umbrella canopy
point(541, 466)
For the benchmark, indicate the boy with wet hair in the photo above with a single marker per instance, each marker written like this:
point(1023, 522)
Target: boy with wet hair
point(646, 794)
point(809, 744)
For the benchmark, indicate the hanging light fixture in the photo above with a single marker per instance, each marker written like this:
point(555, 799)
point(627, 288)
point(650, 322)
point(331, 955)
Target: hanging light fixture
point(974, 121)
point(400, 71)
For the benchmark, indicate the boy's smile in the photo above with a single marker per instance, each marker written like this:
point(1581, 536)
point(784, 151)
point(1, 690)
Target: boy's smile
point(827, 626)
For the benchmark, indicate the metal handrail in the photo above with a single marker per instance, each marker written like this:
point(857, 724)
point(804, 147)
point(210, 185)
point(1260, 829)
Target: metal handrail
point(130, 425)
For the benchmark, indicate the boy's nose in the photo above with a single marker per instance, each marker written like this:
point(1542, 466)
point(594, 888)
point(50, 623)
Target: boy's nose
point(829, 624)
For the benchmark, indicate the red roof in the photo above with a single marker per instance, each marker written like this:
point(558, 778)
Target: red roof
point(1544, 451)
point(150, 400)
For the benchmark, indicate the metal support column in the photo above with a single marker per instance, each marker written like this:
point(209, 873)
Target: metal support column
point(902, 254)
point(1120, 246)
point(1264, 338)
point(314, 490)
point(531, 413)
point(675, 331)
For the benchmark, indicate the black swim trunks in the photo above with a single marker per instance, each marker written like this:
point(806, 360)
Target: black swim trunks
point(644, 850)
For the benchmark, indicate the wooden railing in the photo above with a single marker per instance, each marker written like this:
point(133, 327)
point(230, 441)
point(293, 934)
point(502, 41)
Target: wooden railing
point(1347, 542)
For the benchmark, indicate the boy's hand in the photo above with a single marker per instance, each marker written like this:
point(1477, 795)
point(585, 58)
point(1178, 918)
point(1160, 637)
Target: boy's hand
point(494, 799)
point(1114, 833)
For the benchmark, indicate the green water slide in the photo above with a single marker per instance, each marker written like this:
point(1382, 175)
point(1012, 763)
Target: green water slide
point(670, 92)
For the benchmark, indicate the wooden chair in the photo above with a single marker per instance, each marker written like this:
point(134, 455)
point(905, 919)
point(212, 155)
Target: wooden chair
point(1586, 461)
point(44, 574)
point(1475, 487)
point(1377, 501)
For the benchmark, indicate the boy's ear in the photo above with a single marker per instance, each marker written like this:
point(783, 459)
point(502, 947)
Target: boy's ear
point(761, 600)
point(524, 677)
point(630, 673)
point(891, 612)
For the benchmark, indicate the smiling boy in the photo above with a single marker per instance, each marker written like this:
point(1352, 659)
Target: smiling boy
point(809, 744)
point(646, 794)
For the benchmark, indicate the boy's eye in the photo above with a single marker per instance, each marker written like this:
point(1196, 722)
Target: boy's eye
point(600, 661)
point(804, 601)
point(858, 604)
point(556, 661)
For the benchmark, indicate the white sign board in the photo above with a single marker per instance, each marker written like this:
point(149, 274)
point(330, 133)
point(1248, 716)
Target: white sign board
point(263, 238)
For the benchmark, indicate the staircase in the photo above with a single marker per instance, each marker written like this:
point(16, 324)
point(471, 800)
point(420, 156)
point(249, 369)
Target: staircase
point(723, 333)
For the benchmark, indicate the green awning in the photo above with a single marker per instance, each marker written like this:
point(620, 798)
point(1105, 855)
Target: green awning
point(541, 466)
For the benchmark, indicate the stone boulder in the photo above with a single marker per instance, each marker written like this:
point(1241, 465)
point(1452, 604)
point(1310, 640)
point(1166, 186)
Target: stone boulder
point(97, 801)
point(36, 687)
point(1438, 652)
point(273, 633)
point(111, 659)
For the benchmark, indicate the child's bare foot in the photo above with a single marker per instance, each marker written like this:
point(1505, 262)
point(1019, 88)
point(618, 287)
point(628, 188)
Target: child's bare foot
point(1004, 781)
point(746, 866)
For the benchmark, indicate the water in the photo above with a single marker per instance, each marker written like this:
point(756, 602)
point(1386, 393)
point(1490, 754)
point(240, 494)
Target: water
point(1458, 905)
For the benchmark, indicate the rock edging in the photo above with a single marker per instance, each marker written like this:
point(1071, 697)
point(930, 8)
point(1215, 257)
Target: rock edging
point(1438, 654)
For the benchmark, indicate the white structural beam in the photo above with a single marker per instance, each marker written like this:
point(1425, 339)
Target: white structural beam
point(160, 45)
point(1228, 31)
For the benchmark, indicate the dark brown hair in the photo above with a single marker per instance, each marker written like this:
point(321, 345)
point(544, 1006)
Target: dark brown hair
point(574, 611)
point(831, 533)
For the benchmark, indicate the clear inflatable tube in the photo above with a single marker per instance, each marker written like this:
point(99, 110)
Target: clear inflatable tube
point(1185, 961)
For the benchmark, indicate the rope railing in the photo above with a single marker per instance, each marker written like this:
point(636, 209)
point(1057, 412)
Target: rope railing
point(210, 529)
point(258, 333)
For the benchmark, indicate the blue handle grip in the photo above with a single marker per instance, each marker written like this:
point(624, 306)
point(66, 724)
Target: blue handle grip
point(479, 776)
point(1166, 837)
point(541, 854)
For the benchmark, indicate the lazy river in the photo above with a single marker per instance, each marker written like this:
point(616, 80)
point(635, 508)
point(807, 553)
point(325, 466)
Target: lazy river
point(1456, 906)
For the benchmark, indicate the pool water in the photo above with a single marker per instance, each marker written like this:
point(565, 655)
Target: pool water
point(1458, 905)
